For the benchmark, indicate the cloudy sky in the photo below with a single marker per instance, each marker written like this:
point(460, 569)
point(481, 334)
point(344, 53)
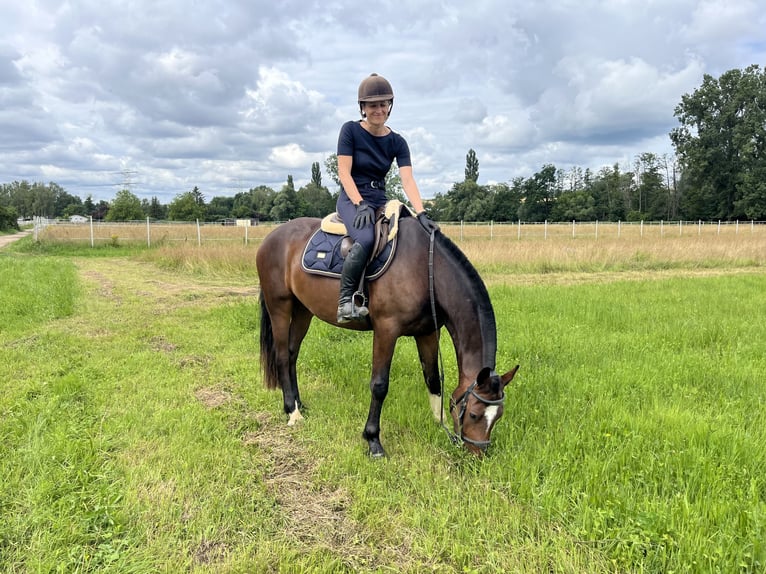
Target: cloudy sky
point(165, 95)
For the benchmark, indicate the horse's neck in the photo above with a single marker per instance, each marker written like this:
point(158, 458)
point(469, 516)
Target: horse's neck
point(469, 318)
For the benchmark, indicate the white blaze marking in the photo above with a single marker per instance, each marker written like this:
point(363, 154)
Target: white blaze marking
point(490, 413)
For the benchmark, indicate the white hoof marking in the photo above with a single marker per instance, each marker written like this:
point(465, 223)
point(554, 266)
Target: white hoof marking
point(295, 417)
point(436, 407)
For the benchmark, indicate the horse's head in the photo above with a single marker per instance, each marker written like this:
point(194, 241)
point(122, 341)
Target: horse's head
point(475, 411)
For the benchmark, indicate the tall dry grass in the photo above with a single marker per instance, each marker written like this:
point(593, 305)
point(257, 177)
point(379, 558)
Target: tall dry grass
point(153, 234)
point(496, 250)
point(612, 254)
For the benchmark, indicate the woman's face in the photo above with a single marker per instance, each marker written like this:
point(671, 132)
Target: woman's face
point(377, 112)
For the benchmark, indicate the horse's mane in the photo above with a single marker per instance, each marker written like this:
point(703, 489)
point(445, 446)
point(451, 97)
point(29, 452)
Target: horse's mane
point(479, 295)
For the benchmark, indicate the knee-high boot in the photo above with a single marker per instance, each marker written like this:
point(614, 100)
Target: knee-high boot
point(353, 267)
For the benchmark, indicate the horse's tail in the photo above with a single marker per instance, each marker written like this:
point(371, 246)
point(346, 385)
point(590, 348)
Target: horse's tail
point(268, 352)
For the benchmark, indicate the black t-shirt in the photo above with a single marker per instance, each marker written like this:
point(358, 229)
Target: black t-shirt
point(371, 155)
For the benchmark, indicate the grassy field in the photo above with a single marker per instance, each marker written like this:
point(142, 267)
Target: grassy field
point(135, 435)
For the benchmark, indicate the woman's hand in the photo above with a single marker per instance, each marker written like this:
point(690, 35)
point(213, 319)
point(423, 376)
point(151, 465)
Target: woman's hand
point(428, 224)
point(365, 215)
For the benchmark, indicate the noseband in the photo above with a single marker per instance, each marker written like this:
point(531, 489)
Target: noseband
point(462, 405)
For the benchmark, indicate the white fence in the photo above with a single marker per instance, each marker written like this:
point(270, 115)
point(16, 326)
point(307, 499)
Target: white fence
point(597, 229)
point(153, 233)
point(149, 232)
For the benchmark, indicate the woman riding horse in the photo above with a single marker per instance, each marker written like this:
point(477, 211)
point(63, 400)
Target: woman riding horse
point(429, 284)
point(366, 149)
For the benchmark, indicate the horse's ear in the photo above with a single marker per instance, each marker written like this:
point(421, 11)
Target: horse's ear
point(483, 375)
point(507, 377)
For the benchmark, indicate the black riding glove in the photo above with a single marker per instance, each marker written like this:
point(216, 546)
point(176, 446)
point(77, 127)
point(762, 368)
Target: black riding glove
point(428, 224)
point(365, 215)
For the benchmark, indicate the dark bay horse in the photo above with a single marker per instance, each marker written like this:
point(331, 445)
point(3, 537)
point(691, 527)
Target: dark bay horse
point(400, 304)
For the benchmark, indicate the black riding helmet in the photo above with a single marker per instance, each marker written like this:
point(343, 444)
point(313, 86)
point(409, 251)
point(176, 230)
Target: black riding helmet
point(375, 88)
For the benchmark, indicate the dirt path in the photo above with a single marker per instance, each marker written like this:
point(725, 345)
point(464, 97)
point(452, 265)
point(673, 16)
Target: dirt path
point(7, 239)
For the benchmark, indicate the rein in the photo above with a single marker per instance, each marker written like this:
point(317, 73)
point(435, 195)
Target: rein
point(454, 439)
point(462, 404)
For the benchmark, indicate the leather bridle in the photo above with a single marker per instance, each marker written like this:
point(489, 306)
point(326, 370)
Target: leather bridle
point(462, 405)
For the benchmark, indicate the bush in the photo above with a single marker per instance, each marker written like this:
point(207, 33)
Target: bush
point(8, 219)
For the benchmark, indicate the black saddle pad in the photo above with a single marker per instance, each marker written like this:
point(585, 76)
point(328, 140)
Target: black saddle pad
point(322, 256)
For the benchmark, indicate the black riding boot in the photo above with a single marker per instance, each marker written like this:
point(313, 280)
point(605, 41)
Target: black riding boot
point(353, 267)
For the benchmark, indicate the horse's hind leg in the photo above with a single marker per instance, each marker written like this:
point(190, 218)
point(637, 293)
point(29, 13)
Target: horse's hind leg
point(299, 326)
point(290, 323)
point(428, 351)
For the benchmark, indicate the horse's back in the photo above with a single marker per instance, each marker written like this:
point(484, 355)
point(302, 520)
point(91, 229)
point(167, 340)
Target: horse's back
point(283, 279)
point(280, 249)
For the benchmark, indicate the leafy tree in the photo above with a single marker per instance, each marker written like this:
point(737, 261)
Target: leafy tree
point(43, 200)
point(286, 204)
point(578, 205)
point(439, 207)
point(670, 166)
point(506, 200)
point(19, 196)
point(316, 200)
point(189, 206)
point(242, 206)
point(316, 174)
point(65, 204)
point(539, 195)
point(607, 195)
point(220, 207)
point(394, 189)
point(101, 210)
point(256, 203)
point(154, 209)
point(650, 189)
point(465, 201)
point(469, 201)
point(331, 165)
point(575, 179)
point(88, 205)
point(125, 207)
point(479, 208)
point(721, 145)
point(471, 166)
point(263, 200)
point(199, 199)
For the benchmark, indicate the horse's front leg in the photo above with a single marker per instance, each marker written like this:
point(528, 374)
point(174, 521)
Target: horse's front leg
point(428, 351)
point(382, 353)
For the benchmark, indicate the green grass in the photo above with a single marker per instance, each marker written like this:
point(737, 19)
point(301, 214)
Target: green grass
point(135, 435)
point(36, 290)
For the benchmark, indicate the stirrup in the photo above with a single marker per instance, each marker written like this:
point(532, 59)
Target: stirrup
point(350, 311)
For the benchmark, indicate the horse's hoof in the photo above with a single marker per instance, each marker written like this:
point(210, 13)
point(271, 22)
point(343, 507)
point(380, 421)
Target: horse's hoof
point(376, 451)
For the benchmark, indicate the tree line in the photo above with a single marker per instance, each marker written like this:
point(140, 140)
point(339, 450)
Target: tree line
point(718, 173)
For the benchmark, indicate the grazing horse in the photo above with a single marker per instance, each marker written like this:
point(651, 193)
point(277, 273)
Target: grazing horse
point(429, 284)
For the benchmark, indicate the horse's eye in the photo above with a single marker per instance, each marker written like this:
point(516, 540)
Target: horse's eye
point(474, 416)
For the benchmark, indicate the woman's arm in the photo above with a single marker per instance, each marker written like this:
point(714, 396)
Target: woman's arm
point(410, 188)
point(344, 175)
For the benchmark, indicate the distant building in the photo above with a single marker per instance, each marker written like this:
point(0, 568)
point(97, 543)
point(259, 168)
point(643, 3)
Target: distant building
point(78, 219)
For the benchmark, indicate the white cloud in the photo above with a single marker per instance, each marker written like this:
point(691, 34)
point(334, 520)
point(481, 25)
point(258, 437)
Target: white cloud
point(292, 156)
point(231, 94)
